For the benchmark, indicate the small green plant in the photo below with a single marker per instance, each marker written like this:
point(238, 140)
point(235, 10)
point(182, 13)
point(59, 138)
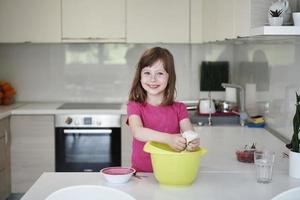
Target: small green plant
point(275, 13)
point(295, 142)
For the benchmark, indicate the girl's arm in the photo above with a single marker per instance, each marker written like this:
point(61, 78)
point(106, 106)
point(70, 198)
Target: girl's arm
point(186, 125)
point(175, 141)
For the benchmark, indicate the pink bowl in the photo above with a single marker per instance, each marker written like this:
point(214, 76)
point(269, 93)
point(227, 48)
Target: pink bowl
point(117, 174)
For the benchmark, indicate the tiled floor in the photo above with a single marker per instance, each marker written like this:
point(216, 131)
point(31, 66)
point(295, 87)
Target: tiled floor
point(15, 196)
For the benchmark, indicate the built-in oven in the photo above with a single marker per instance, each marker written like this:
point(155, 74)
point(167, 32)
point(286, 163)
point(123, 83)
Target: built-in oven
point(87, 143)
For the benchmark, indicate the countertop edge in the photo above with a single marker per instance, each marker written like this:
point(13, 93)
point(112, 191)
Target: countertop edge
point(51, 109)
point(6, 111)
point(5, 114)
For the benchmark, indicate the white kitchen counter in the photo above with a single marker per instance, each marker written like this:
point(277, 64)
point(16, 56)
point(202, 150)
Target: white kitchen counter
point(223, 141)
point(37, 108)
point(220, 175)
point(5, 111)
point(208, 186)
point(50, 108)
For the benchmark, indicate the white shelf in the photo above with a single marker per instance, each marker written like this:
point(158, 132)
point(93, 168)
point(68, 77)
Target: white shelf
point(275, 30)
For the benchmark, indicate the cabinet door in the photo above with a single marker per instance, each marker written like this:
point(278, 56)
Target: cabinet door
point(126, 142)
point(243, 17)
point(30, 21)
point(5, 183)
point(93, 20)
point(218, 20)
point(251, 14)
point(2, 149)
point(196, 21)
point(157, 21)
point(225, 13)
point(32, 149)
point(209, 20)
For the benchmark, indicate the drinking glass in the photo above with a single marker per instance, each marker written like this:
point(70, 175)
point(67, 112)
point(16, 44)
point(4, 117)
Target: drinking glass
point(264, 161)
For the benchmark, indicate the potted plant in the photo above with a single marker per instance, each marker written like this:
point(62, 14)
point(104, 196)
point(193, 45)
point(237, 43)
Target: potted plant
point(294, 154)
point(275, 18)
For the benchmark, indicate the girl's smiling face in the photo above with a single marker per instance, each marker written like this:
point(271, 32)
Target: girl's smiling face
point(154, 79)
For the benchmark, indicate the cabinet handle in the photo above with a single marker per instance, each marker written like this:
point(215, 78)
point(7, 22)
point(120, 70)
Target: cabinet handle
point(6, 136)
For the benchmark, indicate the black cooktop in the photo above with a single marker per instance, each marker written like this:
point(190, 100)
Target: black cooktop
point(90, 106)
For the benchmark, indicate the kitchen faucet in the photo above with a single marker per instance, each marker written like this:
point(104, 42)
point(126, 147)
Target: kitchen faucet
point(209, 116)
point(242, 113)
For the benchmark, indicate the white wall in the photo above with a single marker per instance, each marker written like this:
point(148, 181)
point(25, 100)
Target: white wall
point(277, 90)
point(81, 72)
point(103, 72)
point(95, 72)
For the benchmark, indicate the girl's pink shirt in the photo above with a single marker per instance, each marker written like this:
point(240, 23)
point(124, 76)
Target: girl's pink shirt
point(159, 118)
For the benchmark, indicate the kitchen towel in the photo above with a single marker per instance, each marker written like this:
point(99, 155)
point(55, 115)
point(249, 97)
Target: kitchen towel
point(230, 94)
point(250, 97)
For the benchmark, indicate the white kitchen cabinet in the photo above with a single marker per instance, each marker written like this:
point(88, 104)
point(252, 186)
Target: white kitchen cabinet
point(218, 20)
point(196, 13)
point(5, 180)
point(209, 20)
point(250, 14)
point(93, 20)
point(30, 21)
point(232, 18)
point(225, 25)
point(32, 149)
point(126, 142)
point(158, 21)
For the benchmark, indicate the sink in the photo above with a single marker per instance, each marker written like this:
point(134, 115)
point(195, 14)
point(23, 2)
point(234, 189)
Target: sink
point(216, 120)
point(292, 194)
point(90, 192)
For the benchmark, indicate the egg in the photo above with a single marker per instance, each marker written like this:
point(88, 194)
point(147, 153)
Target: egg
point(190, 136)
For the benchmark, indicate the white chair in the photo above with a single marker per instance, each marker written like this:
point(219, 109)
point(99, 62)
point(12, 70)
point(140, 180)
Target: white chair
point(292, 194)
point(90, 192)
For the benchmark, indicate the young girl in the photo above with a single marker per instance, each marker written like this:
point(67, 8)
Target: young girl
point(153, 115)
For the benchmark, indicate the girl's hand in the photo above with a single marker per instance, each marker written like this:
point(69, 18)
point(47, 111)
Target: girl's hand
point(193, 145)
point(177, 142)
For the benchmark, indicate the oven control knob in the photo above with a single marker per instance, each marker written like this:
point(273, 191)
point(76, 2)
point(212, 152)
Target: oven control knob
point(98, 123)
point(68, 120)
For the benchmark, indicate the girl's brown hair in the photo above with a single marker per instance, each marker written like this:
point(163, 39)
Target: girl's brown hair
point(150, 56)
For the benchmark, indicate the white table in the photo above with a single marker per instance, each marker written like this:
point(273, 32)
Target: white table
point(220, 175)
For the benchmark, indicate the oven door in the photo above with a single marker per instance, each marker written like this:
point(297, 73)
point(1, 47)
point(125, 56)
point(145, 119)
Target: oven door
point(87, 149)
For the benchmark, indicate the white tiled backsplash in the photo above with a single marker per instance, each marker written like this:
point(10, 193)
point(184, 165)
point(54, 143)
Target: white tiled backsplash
point(95, 72)
point(278, 80)
point(103, 72)
point(81, 72)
